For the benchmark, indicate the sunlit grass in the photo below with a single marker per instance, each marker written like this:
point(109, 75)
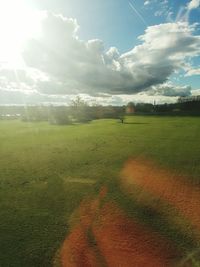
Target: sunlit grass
point(38, 159)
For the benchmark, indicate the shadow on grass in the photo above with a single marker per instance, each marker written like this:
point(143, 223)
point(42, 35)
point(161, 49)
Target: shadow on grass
point(136, 123)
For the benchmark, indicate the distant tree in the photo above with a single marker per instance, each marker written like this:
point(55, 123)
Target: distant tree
point(59, 115)
point(144, 108)
point(80, 110)
point(78, 102)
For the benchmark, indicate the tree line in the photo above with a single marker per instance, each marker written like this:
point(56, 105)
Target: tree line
point(80, 111)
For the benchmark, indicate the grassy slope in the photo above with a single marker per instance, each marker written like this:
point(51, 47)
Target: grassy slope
point(37, 159)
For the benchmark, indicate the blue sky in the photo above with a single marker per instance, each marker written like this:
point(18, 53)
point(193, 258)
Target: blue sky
point(114, 21)
point(119, 23)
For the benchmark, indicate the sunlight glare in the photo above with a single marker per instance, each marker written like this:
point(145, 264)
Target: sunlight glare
point(18, 23)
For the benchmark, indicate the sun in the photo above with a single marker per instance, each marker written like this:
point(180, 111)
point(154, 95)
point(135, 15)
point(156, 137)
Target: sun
point(18, 23)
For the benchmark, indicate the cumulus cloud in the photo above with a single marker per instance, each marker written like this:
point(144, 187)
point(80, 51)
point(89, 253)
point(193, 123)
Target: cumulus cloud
point(171, 90)
point(196, 92)
point(26, 79)
point(191, 72)
point(193, 4)
point(76, 66)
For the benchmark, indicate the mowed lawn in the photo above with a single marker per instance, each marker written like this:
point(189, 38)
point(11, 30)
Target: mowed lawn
point(46, 170)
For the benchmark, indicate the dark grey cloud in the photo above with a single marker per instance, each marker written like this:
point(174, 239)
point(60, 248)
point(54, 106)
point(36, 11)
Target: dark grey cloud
point(75, 66)
point(171, 90)
point(59, 65)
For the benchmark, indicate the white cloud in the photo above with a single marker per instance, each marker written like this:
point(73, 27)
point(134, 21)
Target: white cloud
point(59, 63)
point(196, 92)
point(171, 90)
point(144, 97)
point(158, 13)
point(160, 7)
point(193, 4)
point(191, 72)
point(76, 66)
point(146, 2)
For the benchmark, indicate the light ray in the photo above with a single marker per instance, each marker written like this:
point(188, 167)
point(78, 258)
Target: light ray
point(138, 14)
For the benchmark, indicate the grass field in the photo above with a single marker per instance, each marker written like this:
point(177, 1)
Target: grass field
point(46, 170)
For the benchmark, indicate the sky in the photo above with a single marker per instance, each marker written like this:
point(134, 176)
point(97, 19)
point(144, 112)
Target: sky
point(106, 51)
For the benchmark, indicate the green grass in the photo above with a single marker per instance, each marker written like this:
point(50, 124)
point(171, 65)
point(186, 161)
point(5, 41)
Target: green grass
point(38, 163)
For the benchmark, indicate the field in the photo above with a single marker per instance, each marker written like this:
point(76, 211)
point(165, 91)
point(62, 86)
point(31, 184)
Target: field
point(46, 170)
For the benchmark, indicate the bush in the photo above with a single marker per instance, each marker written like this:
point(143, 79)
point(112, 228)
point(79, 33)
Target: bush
point(60, 116)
